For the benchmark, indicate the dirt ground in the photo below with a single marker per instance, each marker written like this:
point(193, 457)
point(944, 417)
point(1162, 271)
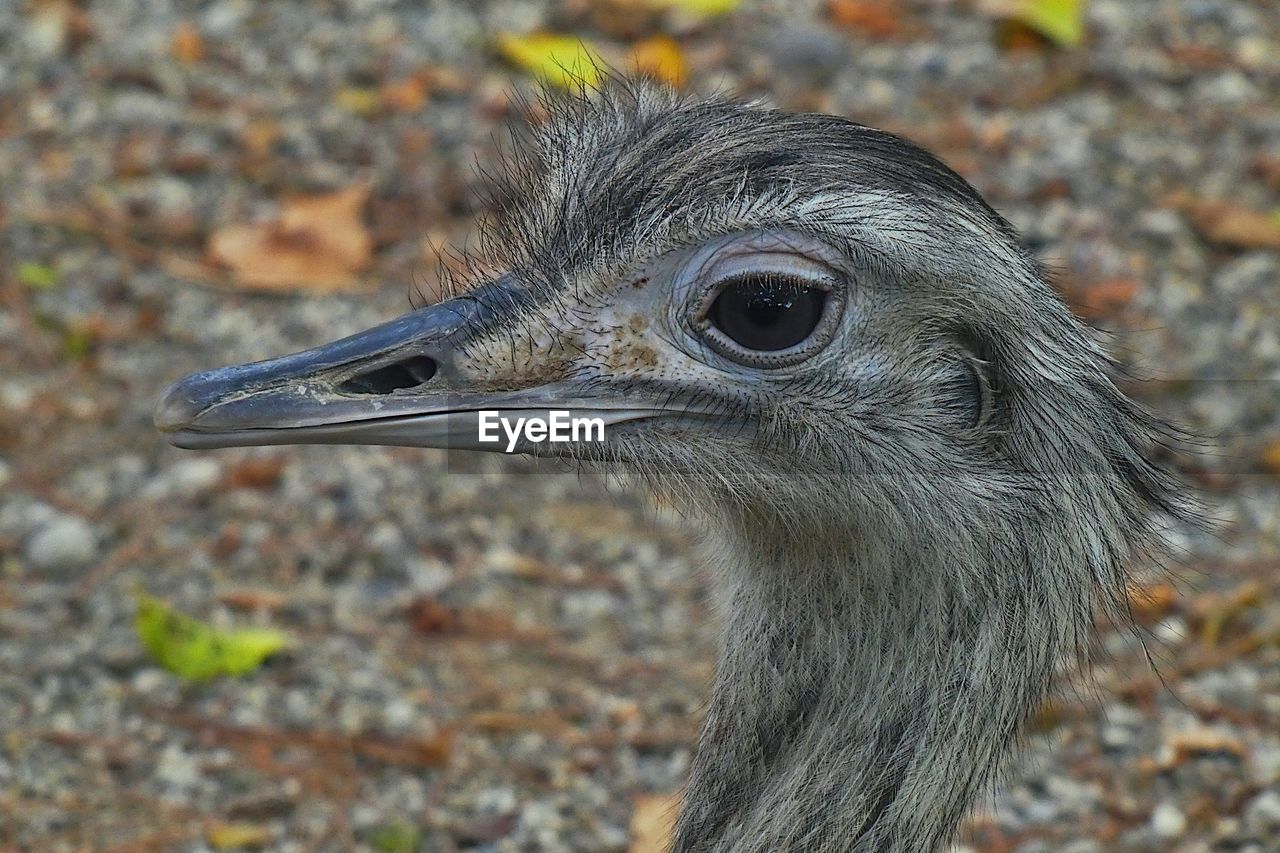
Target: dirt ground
point(483, 654)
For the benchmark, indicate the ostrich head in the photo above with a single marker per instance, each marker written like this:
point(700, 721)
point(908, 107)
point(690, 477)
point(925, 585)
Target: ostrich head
point(920, 485)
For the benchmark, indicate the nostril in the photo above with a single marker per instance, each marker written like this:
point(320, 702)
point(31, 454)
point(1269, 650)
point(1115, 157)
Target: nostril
point(406, 373)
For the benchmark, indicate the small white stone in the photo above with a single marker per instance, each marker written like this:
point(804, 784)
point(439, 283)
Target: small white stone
point(399, 714)
point(1263, 813)
point(66, 543)
point(1167, 821)
point(427, 577)
point(190, 477)
point(177, 768)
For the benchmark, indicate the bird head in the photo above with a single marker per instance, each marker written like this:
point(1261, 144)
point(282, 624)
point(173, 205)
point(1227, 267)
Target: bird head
point(791, 318)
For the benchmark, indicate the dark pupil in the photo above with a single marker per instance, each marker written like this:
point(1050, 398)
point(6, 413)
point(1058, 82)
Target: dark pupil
point(767, 314)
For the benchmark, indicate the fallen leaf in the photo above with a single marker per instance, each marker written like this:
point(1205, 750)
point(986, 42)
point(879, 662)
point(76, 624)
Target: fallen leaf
point(228, 836)
point(258, 137)
point(256, 473)
point(1267, 167)
point(660, 57)
point(1270, 458)
point(696, 8)
point(253, 599)
point(186, 45)
point(1214, 610)
point(1032, 23)
point(37, 276)
point(1229, 224)
point(363, 102)
point(1060, 21)
point(652, 822)
point(317, 243)
point(1150, 602)
point(1102, 299)
point(876, 18)
point(407, 95)
point(398, 837)
point(196, 650)
point(1193, 743)
point(560, 60)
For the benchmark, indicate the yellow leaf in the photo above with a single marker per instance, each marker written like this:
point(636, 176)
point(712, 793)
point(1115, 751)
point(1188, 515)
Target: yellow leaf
point(362, 102)
point(698, 8)
point(228, 836)
point(196, 650)
point(1060, 21)
point(660, 57)
point(560, 60)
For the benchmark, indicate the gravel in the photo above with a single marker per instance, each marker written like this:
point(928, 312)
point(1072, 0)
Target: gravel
point(489, 654)
point(64, 543)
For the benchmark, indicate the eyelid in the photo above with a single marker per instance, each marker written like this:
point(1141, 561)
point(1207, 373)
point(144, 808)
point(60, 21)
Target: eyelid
point(721, 270)
point(717, 276)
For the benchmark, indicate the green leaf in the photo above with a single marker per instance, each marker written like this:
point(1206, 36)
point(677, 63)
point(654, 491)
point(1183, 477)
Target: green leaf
point(1060, 21)
point(560, 60)
point(398, 837)
point(196, 650)
point(77, 341)
point(37, 276)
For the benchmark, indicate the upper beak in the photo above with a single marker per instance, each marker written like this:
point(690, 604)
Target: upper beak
point(395, 384)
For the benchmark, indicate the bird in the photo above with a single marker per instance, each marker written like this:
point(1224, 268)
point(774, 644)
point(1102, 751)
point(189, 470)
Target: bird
point(920, 484)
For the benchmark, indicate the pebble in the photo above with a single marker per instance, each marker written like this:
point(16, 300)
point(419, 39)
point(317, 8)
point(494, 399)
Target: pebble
point(177, 768)
point(1167, 821)
point(1262, 815)
point(64, 544)
point(186, 478)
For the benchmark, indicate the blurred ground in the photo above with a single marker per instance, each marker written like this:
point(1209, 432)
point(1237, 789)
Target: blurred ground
point(511, 661)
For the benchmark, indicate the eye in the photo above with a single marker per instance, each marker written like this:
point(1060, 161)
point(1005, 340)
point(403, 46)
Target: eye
point(764, 313)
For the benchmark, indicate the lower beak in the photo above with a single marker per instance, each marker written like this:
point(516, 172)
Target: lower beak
point(395, 384)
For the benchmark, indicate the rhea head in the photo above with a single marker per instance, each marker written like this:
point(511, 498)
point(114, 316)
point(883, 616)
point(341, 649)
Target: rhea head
point(922, 485)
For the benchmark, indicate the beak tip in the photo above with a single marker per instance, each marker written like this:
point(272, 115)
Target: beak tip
point(177, 408)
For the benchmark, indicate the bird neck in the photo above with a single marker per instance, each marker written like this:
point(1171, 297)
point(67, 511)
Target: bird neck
point(861, 704)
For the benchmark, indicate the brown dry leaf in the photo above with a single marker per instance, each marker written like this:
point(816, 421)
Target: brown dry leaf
point(661, 58)
point(406, 96)
point(318, 243)
point(187, 46)
point(259, 135)
point(1214, 611)
point(1267, 167)
point(1270, 457)
point(254, 599)
point(1193, 743)
point(875, 18)
point(1226, 223)
point(256, 473)
point(1150, 602)
point(652, 822)
point(1101, 299)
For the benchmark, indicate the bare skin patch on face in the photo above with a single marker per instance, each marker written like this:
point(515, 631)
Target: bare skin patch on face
point(542, 350)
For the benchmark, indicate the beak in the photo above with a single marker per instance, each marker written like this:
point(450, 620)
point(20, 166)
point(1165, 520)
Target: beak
point(395, 384)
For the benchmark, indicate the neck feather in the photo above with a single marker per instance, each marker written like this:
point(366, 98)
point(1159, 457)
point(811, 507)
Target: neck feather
point(861, 704)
